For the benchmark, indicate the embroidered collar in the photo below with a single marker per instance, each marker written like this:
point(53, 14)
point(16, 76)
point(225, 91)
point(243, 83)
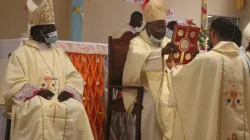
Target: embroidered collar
point(226, 47)
point(145, 37)
point(35, 44)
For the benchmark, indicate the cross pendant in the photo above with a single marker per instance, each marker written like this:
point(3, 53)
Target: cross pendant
point(54, 78)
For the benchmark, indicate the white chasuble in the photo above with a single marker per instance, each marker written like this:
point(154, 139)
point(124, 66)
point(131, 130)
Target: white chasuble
point(213, 96)
point(32, 68)
point(144, 67)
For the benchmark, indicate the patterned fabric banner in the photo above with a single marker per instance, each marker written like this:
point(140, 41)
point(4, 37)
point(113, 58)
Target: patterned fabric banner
point(92, 70)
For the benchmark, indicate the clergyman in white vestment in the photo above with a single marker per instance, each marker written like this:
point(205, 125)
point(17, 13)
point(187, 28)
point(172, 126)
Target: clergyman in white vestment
point(212, 93)
point(145, 67)
point(41, 88)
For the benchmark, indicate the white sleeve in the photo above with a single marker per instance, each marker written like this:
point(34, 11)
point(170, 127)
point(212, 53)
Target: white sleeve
point(175, 70)
point(171, 98)
point(154, 61)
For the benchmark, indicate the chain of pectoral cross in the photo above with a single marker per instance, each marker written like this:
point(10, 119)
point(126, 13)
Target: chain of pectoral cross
point(52, 72)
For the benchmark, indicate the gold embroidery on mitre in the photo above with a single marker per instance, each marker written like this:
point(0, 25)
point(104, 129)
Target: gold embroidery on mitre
point(42, 14)
point(155, 10)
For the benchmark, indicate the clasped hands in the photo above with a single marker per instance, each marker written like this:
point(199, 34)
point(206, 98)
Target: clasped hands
point(47, 94)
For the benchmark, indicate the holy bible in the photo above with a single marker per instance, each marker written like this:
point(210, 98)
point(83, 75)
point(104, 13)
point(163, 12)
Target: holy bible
point(185, 38)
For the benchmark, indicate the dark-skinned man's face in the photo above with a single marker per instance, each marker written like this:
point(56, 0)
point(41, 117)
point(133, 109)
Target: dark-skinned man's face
point(39, 31)
point(157, 29)
point(139, 22)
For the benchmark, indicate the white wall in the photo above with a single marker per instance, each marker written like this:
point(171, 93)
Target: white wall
point(103, 17)
point(14, 22)
point(223, 8)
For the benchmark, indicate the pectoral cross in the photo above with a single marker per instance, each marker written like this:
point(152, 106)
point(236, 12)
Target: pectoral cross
point(234, 137)
point(54, 78)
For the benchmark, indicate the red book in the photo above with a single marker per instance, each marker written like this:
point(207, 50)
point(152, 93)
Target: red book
point(186, 38)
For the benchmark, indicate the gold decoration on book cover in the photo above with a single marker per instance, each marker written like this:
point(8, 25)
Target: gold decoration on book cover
point(186, 39)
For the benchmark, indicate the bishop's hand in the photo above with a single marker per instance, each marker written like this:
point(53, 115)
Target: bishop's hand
point(170, 62)
point(170, 48)
point(46, 94)
point(63, 96)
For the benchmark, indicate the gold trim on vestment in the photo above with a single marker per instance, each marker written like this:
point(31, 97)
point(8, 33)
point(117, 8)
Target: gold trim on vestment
point(42, 117)
point(66, 117)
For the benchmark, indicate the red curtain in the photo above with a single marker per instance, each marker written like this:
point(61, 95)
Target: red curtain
point(91, 68)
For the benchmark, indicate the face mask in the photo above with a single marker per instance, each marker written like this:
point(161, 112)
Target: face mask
point(52, 37)
point(169, 34)
point(153, 39)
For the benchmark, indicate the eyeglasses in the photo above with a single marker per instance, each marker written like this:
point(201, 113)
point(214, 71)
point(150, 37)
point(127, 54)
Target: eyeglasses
point(159, 28)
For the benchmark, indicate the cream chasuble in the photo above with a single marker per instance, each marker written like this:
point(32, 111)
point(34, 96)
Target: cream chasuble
point(32, 67)
point(213, 96)
point(143, 67)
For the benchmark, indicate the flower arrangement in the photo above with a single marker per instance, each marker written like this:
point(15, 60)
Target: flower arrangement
point(203, 39)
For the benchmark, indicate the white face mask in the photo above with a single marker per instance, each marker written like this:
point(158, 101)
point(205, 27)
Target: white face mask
point(52, 37)
point(169, 34)
point(155, 40)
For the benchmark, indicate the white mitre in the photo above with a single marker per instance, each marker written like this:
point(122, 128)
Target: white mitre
point(154, 10)
point(246, 36)
point(42, 14)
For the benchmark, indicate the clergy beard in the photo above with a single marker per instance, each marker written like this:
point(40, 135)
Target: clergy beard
point(47, 45)
point(210, 45)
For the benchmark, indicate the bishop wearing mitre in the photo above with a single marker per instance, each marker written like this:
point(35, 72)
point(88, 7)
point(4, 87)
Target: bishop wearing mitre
point(144, 66)
point(41, 88)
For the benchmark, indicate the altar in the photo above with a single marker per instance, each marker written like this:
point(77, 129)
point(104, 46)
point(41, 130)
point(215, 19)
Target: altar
point(90, 59)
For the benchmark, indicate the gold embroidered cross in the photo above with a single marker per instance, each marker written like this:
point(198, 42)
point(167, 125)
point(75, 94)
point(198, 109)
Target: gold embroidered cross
point(233, 95)
point(234, 137)
point(55, 105)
